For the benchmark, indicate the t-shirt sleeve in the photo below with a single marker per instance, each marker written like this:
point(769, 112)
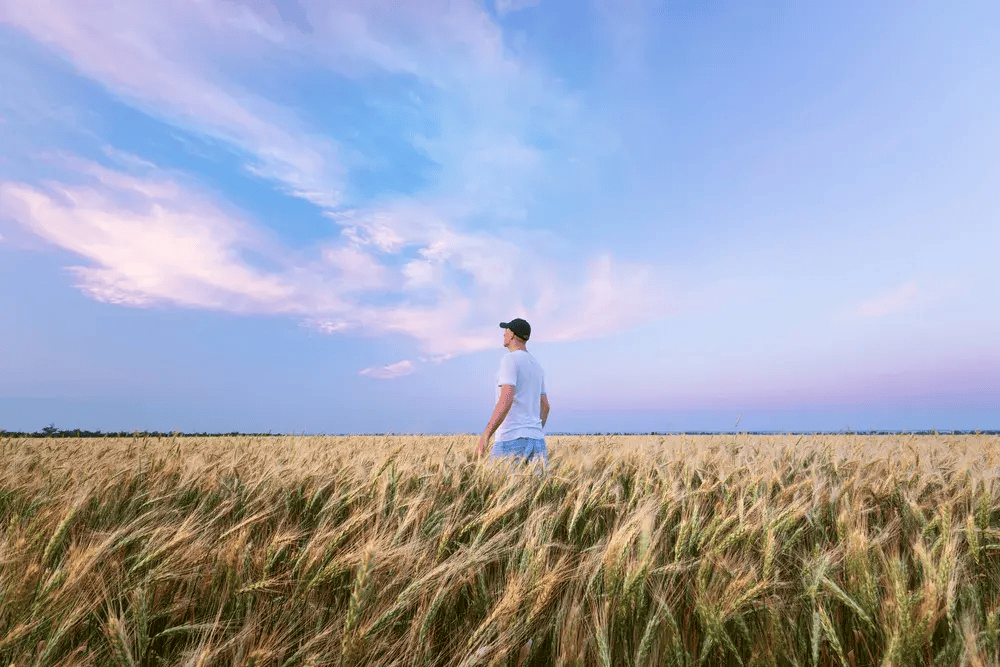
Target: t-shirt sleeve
point(508, 371)
point(543, 384)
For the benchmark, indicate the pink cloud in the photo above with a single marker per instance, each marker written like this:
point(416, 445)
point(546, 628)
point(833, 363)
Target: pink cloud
point(155, 240)
point(615, 295)
point(154, 249)
point(389, 372)
point(898, 299)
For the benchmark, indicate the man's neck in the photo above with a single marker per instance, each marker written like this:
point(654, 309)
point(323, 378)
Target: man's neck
point(514, 348)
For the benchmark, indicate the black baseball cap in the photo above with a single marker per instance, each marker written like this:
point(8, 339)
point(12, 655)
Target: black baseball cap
point(520, 328)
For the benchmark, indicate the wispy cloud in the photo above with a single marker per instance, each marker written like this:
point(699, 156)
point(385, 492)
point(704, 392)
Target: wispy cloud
point(493, 111)
point(154, 239)
point(472, 275)
point(188, 64)
point(389, 372)
point(896, 300)
point(159, 58)
point(437, 265)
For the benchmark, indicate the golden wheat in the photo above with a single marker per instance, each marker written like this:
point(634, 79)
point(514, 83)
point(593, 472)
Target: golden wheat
point(407, 550)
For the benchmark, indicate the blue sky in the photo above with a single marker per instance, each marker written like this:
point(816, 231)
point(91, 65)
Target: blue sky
point(311, 216)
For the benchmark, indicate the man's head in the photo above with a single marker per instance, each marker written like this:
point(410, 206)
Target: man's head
point(516, 334)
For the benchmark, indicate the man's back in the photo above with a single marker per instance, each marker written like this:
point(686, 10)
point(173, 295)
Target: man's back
point(520, 369)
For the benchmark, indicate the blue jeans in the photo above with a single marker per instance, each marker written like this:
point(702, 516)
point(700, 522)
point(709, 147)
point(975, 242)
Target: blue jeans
point(522, 448)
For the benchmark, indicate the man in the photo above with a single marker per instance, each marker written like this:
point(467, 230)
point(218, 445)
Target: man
point(522, 407)
point(520, 414)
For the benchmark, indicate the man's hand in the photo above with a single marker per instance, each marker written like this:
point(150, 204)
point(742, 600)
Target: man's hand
point(499, 414)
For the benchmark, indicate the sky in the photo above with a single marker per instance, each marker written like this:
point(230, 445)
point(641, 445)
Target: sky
point(311, 216)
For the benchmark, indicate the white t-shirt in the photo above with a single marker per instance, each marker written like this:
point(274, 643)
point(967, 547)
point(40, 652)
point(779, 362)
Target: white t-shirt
point(524, 420)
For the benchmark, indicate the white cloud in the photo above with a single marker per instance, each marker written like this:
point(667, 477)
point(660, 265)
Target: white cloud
point(420, 274)
point(439, 359)
point(898, 299)
point(359, 270)
point(389, 372)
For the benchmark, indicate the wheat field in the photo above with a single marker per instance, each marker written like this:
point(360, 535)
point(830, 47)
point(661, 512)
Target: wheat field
point(407, 550)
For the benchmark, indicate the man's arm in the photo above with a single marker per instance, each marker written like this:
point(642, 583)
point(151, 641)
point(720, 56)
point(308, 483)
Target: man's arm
point(501, 410)
point(545, 409)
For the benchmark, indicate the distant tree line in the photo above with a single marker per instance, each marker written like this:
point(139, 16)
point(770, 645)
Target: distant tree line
point(975, 432)
point(51, 431)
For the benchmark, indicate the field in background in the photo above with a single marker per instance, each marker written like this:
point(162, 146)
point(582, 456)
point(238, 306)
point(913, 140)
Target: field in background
point(404, 550)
